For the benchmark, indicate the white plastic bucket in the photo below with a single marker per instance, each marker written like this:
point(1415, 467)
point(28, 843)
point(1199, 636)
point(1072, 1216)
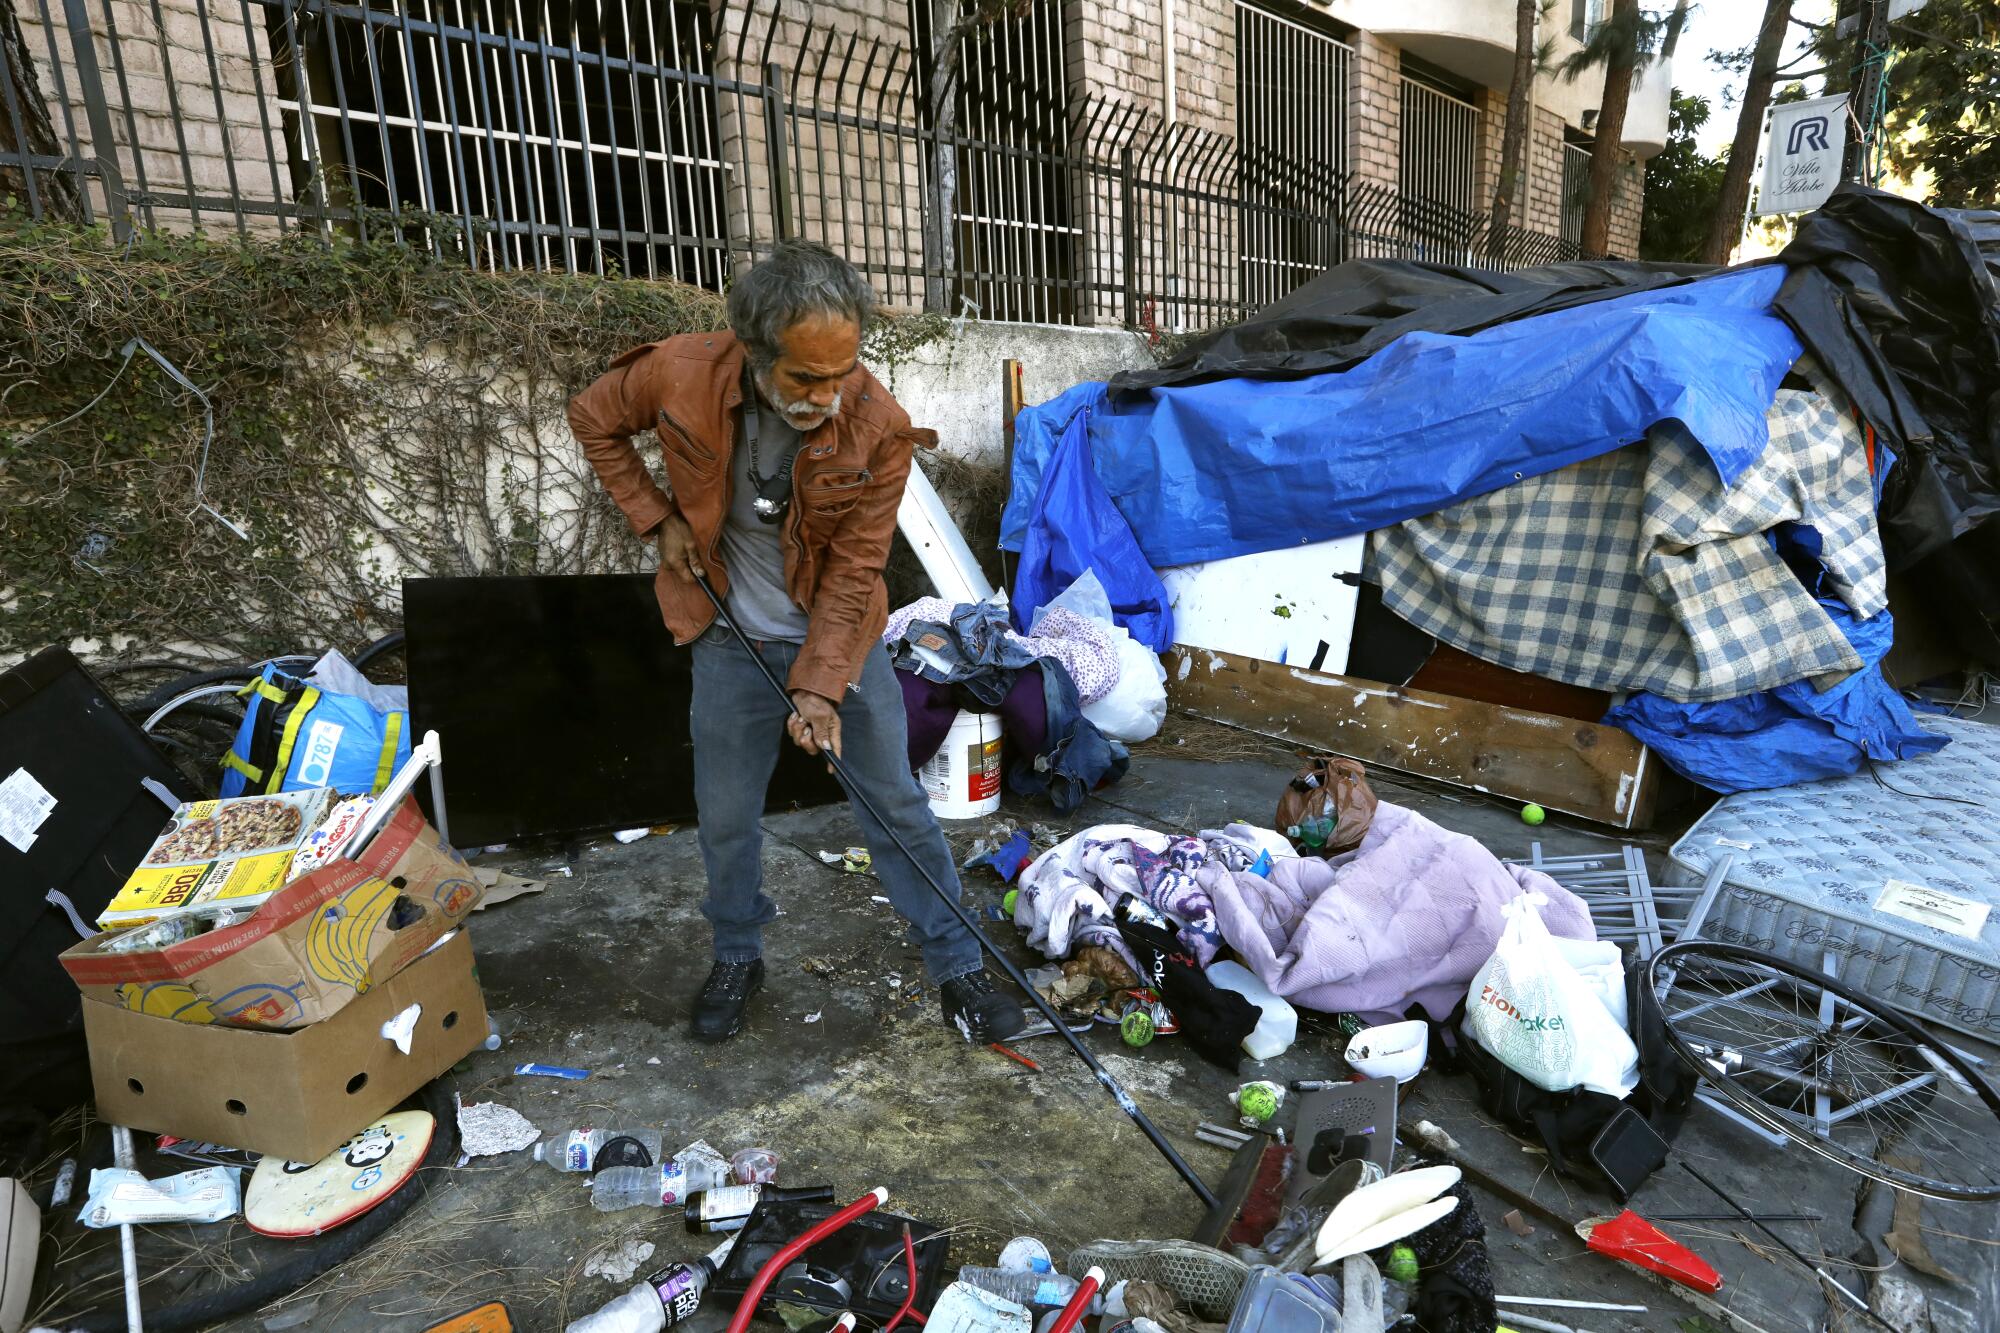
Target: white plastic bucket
point(962, 780)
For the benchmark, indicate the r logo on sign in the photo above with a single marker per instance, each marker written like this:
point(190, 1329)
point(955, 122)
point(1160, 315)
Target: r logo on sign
point(1807, 134)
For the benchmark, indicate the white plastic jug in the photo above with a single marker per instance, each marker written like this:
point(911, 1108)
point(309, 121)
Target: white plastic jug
point(962, 780)
point(1277, 1028)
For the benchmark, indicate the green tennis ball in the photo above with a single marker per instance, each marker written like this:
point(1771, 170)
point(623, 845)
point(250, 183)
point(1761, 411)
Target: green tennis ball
point(1533, 814)
point(1136, 1027)
point(1403, 1264)
point(1007, 903)
point(1257, 1101)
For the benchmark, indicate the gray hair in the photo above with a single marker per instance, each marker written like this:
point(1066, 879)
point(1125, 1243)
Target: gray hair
point(797, 280)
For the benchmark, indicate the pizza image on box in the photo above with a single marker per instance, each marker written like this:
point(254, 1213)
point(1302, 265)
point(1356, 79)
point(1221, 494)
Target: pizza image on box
point(214, 854)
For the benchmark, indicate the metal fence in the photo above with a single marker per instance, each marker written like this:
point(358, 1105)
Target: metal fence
point(1575, 189)
point(678, 140)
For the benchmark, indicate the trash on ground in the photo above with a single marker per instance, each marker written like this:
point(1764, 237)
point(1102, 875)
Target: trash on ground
point(1393, 1050)
point(534, 1070)
point(1632, 1238)
point(119, 1198)
point(500, 887)
point(853, 861)
point(617, 1263)
point(486, 1129)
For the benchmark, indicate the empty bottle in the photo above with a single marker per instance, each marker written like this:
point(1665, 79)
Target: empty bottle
point(728, 1209)
point(616, 1187)
point(580, 1149)
point(1047, 1291)
point(666, 1298)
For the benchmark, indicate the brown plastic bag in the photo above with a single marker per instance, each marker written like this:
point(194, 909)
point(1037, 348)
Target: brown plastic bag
point(1327, 807)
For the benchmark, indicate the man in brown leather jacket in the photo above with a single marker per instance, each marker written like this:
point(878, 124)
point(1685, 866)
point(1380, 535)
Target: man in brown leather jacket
point(785, 462)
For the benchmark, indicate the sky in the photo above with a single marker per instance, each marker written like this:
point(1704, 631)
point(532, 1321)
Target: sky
point(1725, 25)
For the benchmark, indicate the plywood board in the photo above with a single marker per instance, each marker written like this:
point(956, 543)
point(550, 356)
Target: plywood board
point(1581, 768)
point(1293, 605)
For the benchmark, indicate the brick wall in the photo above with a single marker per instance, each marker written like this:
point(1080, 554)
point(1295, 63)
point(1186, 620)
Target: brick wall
point(1539, 206)
point(1376, 118)
point(164, 62)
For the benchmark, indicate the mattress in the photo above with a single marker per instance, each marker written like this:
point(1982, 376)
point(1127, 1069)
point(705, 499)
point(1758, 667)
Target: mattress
point(1892, 873)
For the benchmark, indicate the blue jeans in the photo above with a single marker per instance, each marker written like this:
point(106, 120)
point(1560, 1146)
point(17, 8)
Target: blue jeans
point(738, 725)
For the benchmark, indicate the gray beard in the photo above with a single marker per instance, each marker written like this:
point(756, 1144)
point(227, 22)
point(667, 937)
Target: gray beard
point(801, 416)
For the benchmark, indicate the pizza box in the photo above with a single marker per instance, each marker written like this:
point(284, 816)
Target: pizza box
point(325, 939)
point(228, 853)
point(296, 1095)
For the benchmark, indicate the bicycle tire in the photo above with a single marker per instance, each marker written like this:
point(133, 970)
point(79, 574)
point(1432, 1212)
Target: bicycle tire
point(317, 1256)
point(240, 674)
point(1674, 960)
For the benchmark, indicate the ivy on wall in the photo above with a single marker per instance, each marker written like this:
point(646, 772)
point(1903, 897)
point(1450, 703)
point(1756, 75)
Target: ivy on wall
point(376, 411)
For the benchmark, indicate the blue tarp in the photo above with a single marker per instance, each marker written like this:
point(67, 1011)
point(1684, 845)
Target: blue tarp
point(1232, 467)
point(1076, 529)
point(1791, 734)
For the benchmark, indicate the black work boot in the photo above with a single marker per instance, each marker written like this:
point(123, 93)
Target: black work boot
point(980, 1013)
point(718, 1010)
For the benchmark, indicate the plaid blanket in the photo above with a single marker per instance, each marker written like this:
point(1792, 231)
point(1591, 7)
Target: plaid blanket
point(1640, 570)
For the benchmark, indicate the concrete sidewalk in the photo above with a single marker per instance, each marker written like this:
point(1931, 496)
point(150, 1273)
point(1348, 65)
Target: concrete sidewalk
point(845, 1070)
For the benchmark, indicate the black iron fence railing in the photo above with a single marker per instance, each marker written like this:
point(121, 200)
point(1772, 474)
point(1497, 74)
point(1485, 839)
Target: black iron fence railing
point(677, 140)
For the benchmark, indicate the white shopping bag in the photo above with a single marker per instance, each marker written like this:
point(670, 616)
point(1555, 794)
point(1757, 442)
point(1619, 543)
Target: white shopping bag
point(1532, 1009)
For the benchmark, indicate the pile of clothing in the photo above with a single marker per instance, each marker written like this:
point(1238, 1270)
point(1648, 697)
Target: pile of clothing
point(1070, 693)
point(1404, 919)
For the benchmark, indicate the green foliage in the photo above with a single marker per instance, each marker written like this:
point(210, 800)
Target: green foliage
point(1944, 101)
point(1942, 98)
point(376, 410)
point(1683, 187)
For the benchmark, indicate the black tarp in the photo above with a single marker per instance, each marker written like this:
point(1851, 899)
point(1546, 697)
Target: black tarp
point(1352, 311)
point(1899, 302)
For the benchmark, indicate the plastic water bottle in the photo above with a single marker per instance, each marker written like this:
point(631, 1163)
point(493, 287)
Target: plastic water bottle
point(578, 1149)
point(668, 1297)
point(1048, 1291)
point(617, 1187)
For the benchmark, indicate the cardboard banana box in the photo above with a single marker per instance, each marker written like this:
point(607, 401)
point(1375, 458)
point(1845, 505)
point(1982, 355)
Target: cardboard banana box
point(310, 949)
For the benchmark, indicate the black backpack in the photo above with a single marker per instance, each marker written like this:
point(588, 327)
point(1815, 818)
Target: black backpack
point(1591, 1137)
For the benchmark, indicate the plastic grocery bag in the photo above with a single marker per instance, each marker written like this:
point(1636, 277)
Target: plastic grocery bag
point(1538, 1016)
point(1136, 706)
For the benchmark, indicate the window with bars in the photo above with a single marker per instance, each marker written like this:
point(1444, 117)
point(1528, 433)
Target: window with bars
point(1015, 230)
point(1440, 139)
point(546, 134)
point(1293, 91)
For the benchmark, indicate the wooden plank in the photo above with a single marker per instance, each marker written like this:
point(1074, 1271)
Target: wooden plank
point(1581, 768)
point(1463, 676)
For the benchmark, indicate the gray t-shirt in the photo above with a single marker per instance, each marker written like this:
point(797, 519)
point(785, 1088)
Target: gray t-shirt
point(752, 550)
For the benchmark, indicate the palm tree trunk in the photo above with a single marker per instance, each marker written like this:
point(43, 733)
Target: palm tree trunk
point(1727, 225)
point(1520, 120)
point(1610, 135)
point(36, 135)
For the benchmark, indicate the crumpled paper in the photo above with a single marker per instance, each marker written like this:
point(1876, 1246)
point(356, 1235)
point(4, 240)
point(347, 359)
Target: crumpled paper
point(617, 1263)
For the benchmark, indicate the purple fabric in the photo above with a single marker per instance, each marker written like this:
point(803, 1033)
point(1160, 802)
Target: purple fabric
point(928, 707)
point(1406, 918)
point(931, 708)
point(1024, 713)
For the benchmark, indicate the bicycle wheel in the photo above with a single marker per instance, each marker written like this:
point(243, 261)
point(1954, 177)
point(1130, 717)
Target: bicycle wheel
point(1855, 1080)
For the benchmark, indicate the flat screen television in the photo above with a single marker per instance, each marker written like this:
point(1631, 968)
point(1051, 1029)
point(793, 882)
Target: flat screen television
point(561, 703)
